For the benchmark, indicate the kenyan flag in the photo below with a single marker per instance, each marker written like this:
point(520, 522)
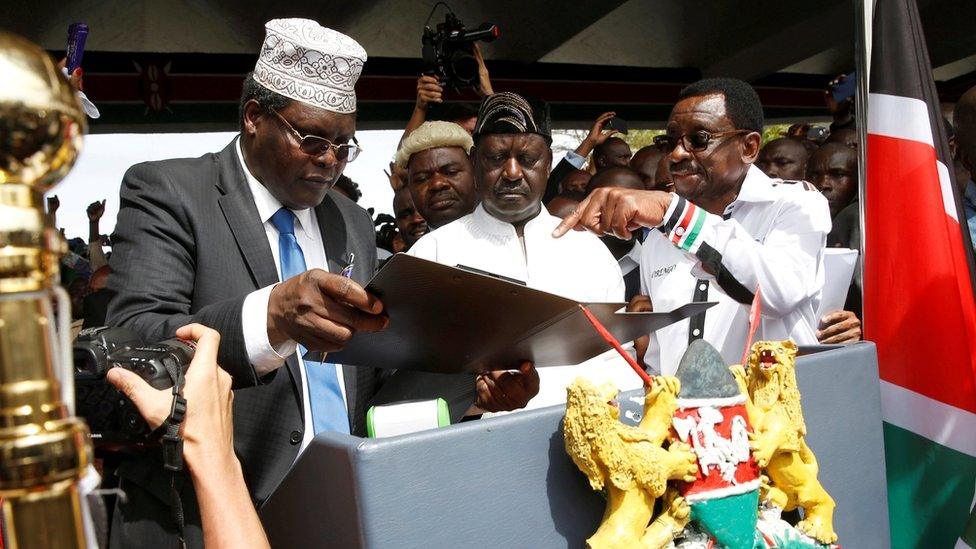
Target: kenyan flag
point(918, 293)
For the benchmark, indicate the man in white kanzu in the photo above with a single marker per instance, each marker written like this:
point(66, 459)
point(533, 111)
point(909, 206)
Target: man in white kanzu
point(510, 233)
point(727, 230)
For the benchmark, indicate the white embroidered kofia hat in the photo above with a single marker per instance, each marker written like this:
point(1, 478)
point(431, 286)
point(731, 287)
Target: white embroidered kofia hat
point(307, 62)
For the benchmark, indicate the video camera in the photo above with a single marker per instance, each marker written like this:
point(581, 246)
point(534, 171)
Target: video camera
point(449, 51)
point(112, 417)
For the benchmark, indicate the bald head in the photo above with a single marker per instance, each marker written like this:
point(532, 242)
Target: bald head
point(783, 158)
point(645, 163)
point(964, 118)
point(612, 152)
point(622, 177)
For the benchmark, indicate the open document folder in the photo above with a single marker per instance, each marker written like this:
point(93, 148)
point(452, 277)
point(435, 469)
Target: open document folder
point(453, 320)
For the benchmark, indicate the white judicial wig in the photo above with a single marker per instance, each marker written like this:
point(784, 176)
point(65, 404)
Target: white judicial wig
point(433, 135)
point(307, 62)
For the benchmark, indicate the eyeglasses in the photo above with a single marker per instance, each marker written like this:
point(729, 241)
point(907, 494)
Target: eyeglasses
point(314, 145)
point(696, 141)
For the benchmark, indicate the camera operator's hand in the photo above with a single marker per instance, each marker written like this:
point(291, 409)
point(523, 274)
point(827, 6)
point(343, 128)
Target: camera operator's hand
point(597, 134)
point(208, 432)
point(226, 510)
point(484, 88)
point(429, 91)
point(321, 311)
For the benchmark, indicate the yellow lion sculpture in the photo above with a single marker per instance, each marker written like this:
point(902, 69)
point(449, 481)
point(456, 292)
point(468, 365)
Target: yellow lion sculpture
point(629, 462)
point(778, 445)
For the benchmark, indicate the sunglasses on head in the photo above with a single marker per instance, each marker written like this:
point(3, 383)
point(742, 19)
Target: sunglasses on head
point(314, 145)
point(695, 141)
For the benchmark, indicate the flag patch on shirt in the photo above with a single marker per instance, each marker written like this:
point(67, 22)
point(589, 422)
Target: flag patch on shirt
point(690, 220)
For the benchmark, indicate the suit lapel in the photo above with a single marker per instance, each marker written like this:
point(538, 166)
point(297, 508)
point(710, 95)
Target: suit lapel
point(333, 228)
point(237, 205)
point(242, 217)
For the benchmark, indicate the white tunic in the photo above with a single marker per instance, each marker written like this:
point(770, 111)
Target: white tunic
point(577, 266)
point(773, 237)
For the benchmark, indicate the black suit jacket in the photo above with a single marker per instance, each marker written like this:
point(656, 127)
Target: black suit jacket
point(188, 247)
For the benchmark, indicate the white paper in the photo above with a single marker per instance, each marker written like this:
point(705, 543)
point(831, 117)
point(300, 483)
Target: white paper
point(838, 271)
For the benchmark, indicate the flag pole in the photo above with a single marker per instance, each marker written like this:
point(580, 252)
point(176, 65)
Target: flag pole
point(863, 18)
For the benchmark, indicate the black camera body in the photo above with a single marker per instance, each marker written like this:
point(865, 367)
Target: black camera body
point(448, 51)
point(112, 418)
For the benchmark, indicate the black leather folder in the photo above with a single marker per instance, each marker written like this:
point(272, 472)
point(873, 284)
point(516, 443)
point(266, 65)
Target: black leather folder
point(453, 320)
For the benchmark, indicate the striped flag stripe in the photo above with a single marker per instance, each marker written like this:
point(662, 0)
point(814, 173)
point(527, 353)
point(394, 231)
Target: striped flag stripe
point(939, 422)
point(899, 117)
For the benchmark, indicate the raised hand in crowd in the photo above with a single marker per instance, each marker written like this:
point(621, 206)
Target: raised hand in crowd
point(228, 516)
point(76, 78)
point(597, 134)
point(507, 390)
point(95, 211)
point(53, 203)
point(839, 327)
point(397, 176)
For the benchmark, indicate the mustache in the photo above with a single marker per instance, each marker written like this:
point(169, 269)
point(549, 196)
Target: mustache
point(685, 166)
point(506, 186)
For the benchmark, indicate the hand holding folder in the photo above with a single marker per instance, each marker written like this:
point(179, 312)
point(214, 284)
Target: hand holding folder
point(449, 320)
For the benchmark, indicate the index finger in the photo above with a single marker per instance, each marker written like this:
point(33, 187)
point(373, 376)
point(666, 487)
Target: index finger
point(207, 343)
point(348, 291)
point(588, 215)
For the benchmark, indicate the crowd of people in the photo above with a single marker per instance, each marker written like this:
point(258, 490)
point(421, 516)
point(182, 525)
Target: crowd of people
point(250, 242)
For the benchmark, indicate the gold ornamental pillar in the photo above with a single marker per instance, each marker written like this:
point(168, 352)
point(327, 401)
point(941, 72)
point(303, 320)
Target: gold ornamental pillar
point(44, 451)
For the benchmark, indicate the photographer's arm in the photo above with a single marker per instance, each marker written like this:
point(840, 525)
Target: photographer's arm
point(227, 513)
point(429, 91)
point(153, 270)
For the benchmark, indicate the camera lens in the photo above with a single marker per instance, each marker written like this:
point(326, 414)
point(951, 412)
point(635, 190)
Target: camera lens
point(465, 66)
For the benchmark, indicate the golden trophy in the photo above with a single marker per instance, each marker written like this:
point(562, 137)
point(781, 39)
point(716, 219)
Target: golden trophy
point(44, 451)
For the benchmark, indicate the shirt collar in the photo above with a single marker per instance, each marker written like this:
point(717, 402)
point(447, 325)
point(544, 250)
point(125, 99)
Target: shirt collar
point(631, 259)
point(266, 203)
point(497, 227)
point(756, 187)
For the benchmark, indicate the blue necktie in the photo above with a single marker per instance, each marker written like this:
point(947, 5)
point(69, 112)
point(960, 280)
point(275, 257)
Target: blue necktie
point(324, 394)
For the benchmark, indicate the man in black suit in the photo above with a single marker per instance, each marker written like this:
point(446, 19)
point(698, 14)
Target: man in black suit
point(198, 240)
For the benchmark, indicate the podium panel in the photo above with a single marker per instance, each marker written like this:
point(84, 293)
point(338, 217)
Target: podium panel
point(507, 481)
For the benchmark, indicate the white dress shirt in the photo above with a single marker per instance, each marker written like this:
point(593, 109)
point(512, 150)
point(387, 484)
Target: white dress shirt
point(577, 266)
point(254, 315)
point(773, 237)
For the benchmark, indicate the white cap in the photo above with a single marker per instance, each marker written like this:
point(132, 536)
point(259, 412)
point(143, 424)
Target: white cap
point(307, 62)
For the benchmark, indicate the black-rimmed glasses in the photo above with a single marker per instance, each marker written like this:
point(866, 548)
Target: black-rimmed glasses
point(314, 145)
point(695, 141)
